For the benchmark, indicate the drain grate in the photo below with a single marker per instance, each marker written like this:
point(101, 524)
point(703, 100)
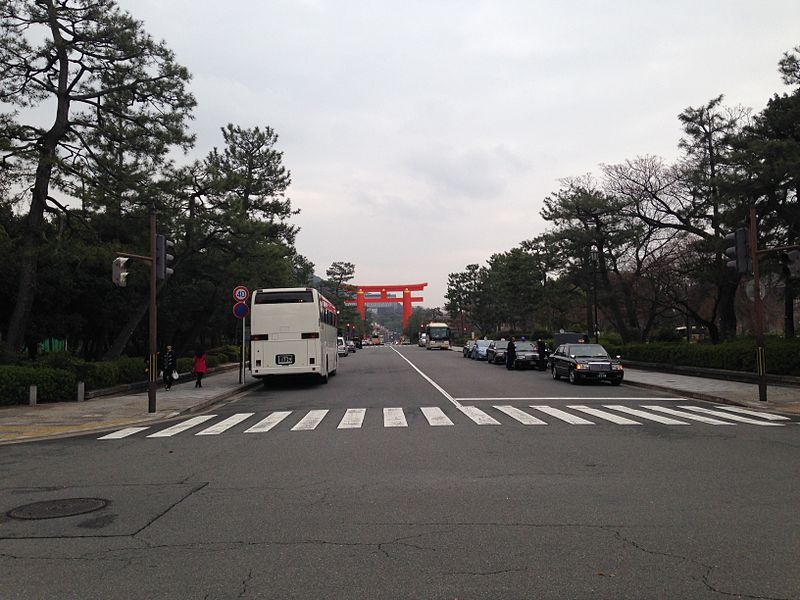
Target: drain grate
point(54, 509)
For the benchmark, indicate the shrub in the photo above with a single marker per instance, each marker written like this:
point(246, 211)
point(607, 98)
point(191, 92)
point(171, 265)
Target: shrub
point(54, 385)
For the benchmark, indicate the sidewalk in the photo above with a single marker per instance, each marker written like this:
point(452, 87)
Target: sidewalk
point(27, 423)
point(60, 419)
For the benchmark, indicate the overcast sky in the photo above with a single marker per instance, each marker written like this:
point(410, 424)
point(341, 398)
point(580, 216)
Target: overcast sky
point(423, 136)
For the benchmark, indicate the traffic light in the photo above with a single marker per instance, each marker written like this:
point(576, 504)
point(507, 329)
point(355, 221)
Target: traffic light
point(163, 257)
point(119, 271)
point(738, 251)
point(791, 261)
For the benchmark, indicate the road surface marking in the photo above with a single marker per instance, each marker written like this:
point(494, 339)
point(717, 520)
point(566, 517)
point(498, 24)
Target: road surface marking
point(310, 421)
point(478, 416)
point(353, 418)
point(686, 415)
point(394, 417)
point(180, 427)
point(570, 398)
point(601, 414)
point(435, 416)
point(520, 416)
point(564, 416)
point(732, 417)
point(753, 413)
point(643, 415)
point(265, 425)
point(226, 424)
point(439, 388)
point(117, 435)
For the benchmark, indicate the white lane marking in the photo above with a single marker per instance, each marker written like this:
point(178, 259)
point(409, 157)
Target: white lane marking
point(429, 380)
point(353, 418)
point(617, 398)
point(601, 414)
point(753, 413)
point(122, 433)
point(268, 423)
point(520, 415)
point(560, 414)
point(394, 417)
point(226, 424)
point(180, 427)
point(732, 417)
point(644, 415)
point(685, 415)
point(310, 421)
point(478, 416)
point(436, 416)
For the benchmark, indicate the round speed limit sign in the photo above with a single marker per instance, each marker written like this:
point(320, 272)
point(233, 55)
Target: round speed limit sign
point(240, 293)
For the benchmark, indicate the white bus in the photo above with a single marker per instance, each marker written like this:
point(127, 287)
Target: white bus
point(438, 336)
point(292, 331)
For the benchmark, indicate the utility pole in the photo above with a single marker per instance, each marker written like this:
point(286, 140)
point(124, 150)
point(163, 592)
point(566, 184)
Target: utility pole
point(758, 310)
point(151, 384)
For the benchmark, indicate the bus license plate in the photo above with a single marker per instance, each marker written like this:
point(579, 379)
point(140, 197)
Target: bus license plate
point(284, 359)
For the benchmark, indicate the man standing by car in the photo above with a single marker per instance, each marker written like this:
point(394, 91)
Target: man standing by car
point(511, 354)
point(541, 349)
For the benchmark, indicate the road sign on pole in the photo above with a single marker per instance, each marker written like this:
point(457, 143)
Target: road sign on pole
point(240, 310)
point(240, 293)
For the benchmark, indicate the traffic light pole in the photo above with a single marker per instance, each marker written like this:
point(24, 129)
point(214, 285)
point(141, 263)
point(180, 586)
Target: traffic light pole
point(758, 310)
point(151, 384)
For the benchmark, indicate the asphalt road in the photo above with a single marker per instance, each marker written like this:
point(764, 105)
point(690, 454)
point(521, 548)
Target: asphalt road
point(447, 497)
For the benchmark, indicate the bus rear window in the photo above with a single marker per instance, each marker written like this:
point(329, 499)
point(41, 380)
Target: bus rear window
point(298, 297)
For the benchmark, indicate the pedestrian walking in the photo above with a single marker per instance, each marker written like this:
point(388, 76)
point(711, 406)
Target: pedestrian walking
point(170, 365)
point(511, 354)
point(199, 366)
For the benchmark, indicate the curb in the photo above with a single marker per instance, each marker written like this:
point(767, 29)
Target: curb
point(218, 399)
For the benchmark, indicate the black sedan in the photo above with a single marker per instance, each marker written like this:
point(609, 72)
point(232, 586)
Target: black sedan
point(527, 356)
point(496, 352)
point(585, 362)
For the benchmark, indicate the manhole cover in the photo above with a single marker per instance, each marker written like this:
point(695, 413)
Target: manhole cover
point(53, 509)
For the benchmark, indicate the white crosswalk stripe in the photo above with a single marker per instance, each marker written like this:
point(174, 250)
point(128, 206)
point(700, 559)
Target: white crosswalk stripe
point(268, 423)
point(478, 416)
point(436, 416)
point(732, 417)
point(310, 421)
point(643, 415)
point(520, 415)
point(562, 415)
point(601, 414)
point(353, 418)
point(181, 427)
point(685, 415)
point(753, 413)
point(226, 424)
point(394, 417)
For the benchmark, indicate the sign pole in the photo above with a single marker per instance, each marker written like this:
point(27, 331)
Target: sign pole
point(758, 310)
point(151, 384)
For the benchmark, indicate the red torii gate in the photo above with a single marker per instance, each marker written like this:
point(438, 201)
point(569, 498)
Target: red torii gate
point(361, 300)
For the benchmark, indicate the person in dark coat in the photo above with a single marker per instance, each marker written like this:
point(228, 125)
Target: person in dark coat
point(199, 366)
point(541, 349)
point(511, 354)
point(170, 365)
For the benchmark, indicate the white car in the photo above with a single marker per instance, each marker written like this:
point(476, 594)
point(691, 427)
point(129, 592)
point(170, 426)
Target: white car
point(341, 347)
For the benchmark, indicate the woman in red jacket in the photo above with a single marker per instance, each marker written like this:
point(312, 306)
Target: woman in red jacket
point(199, 366)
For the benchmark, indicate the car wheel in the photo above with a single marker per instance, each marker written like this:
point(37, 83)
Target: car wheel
point(616, 381)
point(573, 377)
point(555, 373)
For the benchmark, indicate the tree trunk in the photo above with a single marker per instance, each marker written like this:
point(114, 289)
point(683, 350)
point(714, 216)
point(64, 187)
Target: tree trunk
point(789, 294)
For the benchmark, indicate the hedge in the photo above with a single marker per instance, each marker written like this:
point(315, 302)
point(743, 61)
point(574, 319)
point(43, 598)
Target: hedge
point(783, 355)
point(53, 385)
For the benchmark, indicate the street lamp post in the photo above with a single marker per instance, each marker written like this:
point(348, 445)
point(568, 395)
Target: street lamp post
point(594, 286)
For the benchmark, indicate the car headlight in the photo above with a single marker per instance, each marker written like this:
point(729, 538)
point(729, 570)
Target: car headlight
point(616, 367)
point(581, 366)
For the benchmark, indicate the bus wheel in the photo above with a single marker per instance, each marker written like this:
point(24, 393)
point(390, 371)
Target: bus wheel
point(324, 376)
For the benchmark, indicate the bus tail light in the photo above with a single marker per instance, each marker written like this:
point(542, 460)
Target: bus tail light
point(310, 336)
point(259, 338)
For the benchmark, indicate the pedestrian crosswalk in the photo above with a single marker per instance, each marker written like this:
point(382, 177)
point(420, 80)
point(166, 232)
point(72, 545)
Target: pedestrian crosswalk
point(434, 416)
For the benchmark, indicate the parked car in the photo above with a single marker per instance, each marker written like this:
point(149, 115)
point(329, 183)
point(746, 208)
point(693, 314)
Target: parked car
point(351, 346)
point(479, 349)
point(527, 356)
point(423, 340)
point(341, 347)
point(496, 352)
point(467, 349)
point(585, 362)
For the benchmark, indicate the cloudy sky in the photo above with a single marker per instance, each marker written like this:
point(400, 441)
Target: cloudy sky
point(423, 135)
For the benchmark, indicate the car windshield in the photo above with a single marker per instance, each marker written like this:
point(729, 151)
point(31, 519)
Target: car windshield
point(524, 346)
point(483, 343)
point(588, 351)
point(501, 345)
